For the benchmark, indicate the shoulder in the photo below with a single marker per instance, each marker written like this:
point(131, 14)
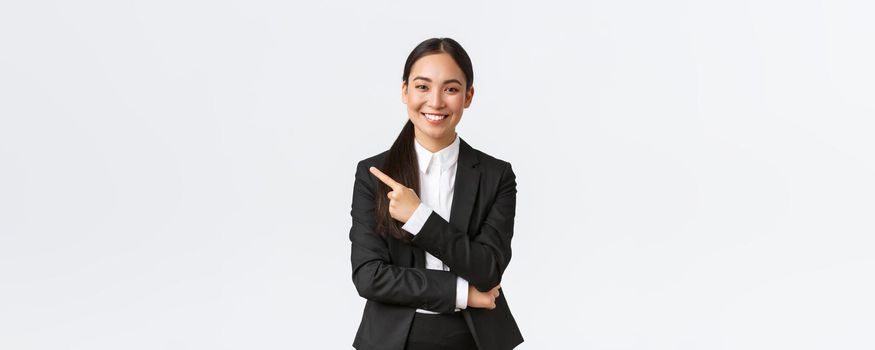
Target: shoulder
point(362, 170)
point(374, 160)
point(485, 159)
point(491, 165)
point(490, 161)
point(365, 182)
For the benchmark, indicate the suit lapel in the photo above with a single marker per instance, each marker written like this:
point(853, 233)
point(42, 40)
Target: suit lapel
point(464, 195)
point(466, 185)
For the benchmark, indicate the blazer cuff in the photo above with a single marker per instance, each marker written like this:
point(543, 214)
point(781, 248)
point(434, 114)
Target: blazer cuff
point(417, 220)
point(432, 233)
point(461, 293)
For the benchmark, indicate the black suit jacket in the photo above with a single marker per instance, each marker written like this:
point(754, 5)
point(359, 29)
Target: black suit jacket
point(475, 244)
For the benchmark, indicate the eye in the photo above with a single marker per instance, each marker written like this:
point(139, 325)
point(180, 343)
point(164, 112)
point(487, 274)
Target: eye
point(421, 87)
point(452, 89)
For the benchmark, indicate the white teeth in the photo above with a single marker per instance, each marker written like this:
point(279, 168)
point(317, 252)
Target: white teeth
point(434, 116)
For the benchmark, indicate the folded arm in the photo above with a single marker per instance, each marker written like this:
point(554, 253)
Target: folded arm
point(482, 260)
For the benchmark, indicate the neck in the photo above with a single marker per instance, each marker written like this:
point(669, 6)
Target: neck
point(433, 145)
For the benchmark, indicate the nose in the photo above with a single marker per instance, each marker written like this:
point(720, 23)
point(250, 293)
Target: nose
point(435, 100)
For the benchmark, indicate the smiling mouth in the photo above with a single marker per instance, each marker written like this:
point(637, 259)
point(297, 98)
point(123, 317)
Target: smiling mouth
point(434, 117)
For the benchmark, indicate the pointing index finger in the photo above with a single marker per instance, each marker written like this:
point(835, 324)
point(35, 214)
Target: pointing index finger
point(385, 178)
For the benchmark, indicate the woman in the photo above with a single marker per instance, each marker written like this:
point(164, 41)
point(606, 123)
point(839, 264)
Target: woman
point(432, 221)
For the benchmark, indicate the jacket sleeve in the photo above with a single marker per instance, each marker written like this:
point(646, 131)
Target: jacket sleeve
point(481, 260)
point(374, 275)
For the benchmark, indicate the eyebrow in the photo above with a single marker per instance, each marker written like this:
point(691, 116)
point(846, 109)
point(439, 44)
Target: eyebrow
point(445, 81)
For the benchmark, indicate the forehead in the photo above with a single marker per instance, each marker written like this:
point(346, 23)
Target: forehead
point(439, 66)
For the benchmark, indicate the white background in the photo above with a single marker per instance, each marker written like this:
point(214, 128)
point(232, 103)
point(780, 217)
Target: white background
point(691, 174)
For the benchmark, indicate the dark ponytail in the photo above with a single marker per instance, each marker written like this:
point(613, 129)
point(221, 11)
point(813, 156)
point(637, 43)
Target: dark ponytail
point(401, 163)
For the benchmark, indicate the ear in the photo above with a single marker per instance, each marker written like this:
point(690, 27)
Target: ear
point(404, 92)
point(469, 96)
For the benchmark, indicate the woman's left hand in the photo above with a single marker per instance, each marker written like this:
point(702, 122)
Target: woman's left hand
point(403, 201)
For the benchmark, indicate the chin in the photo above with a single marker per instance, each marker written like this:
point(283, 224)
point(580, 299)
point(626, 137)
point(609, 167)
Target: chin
point(433, 133)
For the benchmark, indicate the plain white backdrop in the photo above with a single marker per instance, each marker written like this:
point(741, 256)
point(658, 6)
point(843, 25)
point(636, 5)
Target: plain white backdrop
point(691, 174)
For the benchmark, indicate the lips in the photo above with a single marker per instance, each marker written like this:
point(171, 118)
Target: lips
point(434, 117)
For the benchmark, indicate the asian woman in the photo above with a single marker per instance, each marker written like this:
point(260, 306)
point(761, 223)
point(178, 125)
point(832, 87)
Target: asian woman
point(432, 222)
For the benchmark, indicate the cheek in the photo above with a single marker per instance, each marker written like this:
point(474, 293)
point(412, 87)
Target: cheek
point(414, 101)
point(457, 103)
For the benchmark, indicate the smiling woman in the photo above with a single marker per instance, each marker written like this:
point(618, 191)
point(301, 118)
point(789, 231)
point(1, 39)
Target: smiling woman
point(432, 221)
point(439, 95)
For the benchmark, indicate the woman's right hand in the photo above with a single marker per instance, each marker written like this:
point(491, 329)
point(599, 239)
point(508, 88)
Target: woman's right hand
point(482, 300)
